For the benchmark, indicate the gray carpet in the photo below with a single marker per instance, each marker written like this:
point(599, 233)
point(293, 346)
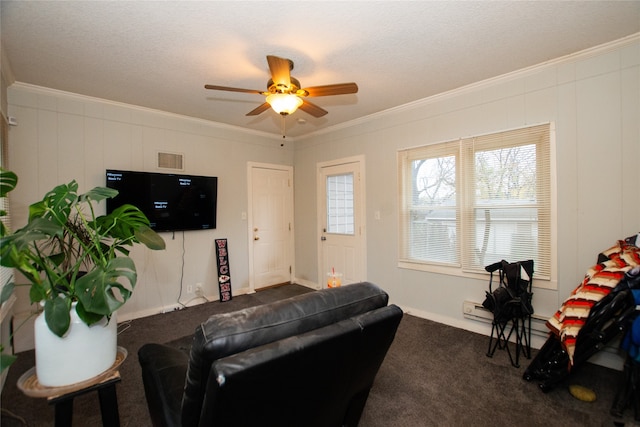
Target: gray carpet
point(433, 375)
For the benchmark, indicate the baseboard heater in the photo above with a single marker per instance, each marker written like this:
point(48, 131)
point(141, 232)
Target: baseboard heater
point(475, 311)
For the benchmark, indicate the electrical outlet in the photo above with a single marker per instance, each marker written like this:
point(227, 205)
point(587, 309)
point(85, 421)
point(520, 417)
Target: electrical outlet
point(190, 289)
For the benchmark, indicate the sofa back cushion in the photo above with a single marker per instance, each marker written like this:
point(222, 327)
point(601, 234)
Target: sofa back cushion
point(317, 379)
point(230, 333)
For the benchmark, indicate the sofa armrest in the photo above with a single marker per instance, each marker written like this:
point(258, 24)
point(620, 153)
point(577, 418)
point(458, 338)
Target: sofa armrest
point(164, 370)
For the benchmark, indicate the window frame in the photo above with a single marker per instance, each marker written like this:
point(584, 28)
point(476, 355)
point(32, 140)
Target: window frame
point(6, 274)
point(465, 208)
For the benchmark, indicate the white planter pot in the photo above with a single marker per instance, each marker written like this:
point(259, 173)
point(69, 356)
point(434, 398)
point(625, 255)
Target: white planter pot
point(81, 354)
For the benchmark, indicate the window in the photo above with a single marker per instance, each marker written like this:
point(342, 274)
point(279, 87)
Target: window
point(468, 203)
point(340, 210)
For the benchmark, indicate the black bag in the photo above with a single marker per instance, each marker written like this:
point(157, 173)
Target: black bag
point(499, 303)
point(511, 298)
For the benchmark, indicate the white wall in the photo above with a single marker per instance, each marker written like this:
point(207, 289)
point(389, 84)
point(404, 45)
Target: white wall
point(594, 100)
point(62, 136)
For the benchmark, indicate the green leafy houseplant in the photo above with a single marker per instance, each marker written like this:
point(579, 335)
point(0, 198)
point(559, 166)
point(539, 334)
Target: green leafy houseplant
point(70, 254)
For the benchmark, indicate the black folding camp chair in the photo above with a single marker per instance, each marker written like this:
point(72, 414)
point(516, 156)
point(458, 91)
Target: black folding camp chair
point(510, 303)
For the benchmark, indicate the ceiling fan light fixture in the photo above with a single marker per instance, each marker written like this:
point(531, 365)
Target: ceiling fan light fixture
point(284, 103)
point(284, 94)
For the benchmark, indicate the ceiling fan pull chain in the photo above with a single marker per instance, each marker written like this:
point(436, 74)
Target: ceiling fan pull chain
point(284, 127)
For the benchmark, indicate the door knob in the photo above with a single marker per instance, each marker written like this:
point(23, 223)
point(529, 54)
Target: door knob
point(256, 238)
point(323, 238)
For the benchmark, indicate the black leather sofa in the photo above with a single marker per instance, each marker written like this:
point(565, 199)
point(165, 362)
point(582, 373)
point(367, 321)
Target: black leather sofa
point(308, 360)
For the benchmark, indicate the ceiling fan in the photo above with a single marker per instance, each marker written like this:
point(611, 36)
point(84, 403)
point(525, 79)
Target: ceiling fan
point(285, 94)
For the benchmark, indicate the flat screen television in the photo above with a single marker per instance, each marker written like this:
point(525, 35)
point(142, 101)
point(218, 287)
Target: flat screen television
point(171, 202)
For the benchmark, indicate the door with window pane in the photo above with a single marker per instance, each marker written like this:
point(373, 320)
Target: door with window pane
point(340, 219)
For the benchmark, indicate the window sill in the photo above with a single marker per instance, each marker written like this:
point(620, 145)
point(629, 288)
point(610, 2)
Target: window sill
point(540, 283)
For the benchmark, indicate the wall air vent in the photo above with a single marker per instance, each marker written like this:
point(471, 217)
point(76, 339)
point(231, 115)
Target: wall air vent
point(172, 161)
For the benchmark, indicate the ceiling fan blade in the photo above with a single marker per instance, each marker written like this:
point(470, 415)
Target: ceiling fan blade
point(335, 89)
point(261, 109)
point(312, 109)
point(233, 89)
point(280, 70)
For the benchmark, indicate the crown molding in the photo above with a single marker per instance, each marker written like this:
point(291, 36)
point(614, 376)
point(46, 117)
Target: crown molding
point(572, 57)
point(85, 98)
point(583, 54)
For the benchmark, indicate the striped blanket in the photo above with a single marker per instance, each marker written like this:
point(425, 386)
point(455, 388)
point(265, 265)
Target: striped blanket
point(598, 282)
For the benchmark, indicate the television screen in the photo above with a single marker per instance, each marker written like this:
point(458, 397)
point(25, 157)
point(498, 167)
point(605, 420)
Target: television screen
point(171, 202)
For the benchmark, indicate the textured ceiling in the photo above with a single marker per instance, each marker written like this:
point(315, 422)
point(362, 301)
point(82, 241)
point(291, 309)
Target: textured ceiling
point(160, 54)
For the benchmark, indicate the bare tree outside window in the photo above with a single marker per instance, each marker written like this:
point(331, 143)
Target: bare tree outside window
point(434, 208)
point(506, 173)
point(505, 194)
point(435, 181)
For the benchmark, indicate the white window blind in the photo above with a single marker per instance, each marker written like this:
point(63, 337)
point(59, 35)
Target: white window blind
point(472, 202)
point(429, 219)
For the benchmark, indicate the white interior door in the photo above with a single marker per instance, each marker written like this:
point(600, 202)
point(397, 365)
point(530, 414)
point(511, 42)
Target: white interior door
point(270, 224)
point(341, 219)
